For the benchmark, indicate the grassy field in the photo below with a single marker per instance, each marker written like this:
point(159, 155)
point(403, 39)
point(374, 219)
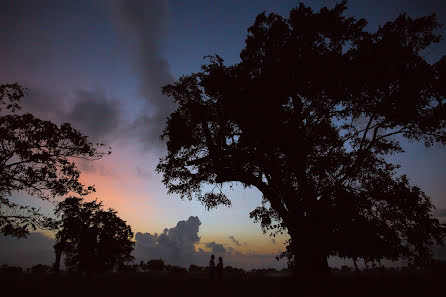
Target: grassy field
point(197, 284)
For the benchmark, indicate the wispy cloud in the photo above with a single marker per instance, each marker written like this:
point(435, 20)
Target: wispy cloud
point(146, 21)
point(232, 238)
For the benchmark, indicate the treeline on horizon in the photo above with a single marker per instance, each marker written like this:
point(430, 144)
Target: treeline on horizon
point(158, 266)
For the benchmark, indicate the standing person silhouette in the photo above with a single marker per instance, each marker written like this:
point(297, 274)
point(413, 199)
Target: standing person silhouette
point(220, 268)
point(211, 268)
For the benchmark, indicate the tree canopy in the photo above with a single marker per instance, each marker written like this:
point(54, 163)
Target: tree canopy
point(36, 157)
point(93, 239)
point(309, 117)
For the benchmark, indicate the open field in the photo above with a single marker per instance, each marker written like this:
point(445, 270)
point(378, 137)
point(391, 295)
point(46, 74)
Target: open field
point(196, 284)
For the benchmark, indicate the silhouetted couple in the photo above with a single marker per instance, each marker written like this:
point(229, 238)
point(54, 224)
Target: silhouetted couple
point(218, 269)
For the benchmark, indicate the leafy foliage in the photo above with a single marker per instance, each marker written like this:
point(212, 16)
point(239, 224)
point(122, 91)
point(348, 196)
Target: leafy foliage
point(36, 157)
point(309, 117)
point(92, 239)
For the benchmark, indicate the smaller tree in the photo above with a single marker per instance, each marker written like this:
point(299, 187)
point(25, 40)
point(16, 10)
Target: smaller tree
point(156, 265)
point(196, 268)
point(39, 269)
point(92, 239)
point(142, 265)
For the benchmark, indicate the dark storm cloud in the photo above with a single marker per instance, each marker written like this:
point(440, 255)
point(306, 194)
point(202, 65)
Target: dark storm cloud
point(91, 112)
point(94, 114)
point(146, 21)
point(235, 241)
point(32, 35)
point(43, 104)
point(34, 51)
point(35, 249)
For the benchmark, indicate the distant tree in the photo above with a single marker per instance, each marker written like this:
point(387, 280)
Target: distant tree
point(128, 268)
point(195, 268)
point(8, 271)
point(230, 269)
point(39, 269)
point(155, 264)
point(177, 270)
point(345, 268)
point(92, 239)
point(309, 117)
point(36, 157)
point(142, 265)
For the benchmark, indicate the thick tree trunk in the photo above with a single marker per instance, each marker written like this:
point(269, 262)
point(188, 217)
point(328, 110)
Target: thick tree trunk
point(87, 246)
point(366, 265)
point(58, 252)
point(356, 265)
point(309, 258)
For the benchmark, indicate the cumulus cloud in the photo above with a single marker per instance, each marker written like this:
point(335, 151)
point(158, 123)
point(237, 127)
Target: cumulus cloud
point(176, 246)
point(147, 21)
point(235, 241)
point(35, 249)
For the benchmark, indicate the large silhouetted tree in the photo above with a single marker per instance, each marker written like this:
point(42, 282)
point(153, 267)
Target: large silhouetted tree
point(36, 157)
point(93, 239)
point(308, 117)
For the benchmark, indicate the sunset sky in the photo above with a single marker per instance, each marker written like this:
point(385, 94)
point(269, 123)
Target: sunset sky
point(100, 66)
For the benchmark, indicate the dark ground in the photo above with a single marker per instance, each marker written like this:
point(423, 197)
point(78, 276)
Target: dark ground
point(196, 284)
